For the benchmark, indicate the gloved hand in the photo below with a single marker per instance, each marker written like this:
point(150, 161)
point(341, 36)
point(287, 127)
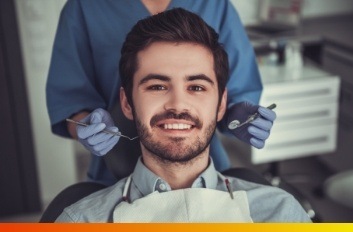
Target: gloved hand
point(92, 137)
point(255, 132)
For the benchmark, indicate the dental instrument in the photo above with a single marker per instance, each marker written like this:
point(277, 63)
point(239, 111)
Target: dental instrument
point(105, 131)
point(236, 124)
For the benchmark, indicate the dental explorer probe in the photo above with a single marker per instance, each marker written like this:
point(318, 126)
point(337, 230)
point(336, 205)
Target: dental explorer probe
point(236, 124)
point(105, 131)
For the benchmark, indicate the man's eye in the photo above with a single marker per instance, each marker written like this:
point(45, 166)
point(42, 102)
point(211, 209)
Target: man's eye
point(196, 88)
point(157, 87)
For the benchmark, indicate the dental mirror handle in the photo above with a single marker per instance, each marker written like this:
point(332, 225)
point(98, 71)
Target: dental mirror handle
point(105, 131)
point(236, 124)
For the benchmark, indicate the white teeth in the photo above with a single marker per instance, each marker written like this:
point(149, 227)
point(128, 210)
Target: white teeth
point(176, 126)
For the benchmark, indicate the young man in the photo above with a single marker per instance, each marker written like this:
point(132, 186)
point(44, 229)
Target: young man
point(174, 73)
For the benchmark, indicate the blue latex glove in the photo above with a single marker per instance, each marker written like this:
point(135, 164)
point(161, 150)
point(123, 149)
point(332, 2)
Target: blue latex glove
point(255, 132)
point(97, 142)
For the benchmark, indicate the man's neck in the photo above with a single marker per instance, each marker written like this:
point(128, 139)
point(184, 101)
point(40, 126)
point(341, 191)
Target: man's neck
point(178, 175)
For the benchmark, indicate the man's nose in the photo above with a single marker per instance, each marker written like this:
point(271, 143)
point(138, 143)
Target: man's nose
point(178, 101)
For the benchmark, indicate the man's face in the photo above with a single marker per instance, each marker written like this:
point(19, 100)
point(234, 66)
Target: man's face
point(175, 97)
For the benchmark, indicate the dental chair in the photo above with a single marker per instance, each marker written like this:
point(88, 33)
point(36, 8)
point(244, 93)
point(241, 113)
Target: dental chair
point(339, 188)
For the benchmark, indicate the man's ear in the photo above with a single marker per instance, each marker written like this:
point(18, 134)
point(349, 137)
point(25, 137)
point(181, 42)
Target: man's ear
point(222, 106)
point(125, 106)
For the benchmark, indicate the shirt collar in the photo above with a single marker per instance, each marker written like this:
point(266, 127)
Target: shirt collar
point(147, 182)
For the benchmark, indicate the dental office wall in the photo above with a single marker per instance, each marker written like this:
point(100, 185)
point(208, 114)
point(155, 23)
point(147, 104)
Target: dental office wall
point(37, 25)
point(317, 8)
point(248, 9)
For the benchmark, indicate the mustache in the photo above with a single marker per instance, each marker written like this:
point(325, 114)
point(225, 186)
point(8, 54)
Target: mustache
point(172, 115)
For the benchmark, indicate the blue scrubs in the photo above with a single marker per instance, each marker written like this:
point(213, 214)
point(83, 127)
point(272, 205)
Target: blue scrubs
point(84, 74)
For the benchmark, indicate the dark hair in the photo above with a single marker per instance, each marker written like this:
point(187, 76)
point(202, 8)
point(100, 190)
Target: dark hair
point(176, 25)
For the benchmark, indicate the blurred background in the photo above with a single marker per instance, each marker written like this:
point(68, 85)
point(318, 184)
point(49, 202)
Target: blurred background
point(305, 55)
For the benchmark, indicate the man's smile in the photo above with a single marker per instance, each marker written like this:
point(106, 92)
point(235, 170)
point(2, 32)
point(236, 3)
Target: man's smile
point(175, 125)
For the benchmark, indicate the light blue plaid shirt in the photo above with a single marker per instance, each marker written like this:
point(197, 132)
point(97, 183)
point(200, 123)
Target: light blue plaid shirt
point(267, 203)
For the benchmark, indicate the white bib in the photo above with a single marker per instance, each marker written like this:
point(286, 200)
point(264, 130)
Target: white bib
point(186, 205)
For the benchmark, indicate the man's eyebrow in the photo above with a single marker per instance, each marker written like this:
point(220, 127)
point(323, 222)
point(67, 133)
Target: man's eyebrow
point(200, 77)
point(153, 77)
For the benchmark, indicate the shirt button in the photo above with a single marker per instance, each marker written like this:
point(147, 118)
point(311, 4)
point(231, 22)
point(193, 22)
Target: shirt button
point(162, 187)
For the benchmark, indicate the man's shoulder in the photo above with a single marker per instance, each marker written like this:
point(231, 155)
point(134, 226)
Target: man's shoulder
point(253, 188)
point(97, 198)
point(96, 207)
point(270, 204)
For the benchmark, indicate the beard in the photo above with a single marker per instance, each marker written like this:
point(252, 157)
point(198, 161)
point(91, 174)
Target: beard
point(176, 149)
